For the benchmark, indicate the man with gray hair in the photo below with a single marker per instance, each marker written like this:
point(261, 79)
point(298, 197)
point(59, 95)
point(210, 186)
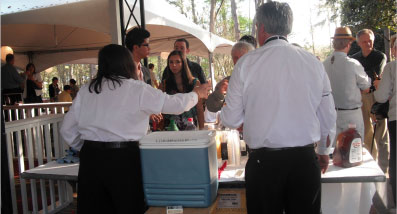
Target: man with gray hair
point(215, 100)
point(348, 79)
point(373, 62)
point(282, 94)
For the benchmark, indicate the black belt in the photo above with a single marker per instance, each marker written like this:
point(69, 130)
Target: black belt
point(267, 149)
point(343, 109)
point(111, 145)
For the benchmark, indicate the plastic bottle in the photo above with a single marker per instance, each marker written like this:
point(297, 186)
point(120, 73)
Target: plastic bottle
point(173, 126)
point(190, 124)
point(233, 148)
point(349, 150)
point(243, 148)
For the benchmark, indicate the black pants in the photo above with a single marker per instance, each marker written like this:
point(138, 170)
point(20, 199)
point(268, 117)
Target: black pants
point(287, 180)
point(110, 180)
point(392, 161)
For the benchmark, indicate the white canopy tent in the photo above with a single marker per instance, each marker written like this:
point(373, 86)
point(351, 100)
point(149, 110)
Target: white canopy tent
point(52, 32)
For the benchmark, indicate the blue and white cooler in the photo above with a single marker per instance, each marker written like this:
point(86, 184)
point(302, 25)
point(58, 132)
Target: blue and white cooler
point(179, 168)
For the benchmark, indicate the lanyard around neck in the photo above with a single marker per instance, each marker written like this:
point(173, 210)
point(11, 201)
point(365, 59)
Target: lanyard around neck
point(275, 38)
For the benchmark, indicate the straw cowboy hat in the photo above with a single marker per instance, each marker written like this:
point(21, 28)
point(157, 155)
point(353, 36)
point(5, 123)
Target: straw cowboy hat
point(343, 33)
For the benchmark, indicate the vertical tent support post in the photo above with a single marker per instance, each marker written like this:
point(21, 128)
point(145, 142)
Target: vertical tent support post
point(211, 68)
point(114, 15)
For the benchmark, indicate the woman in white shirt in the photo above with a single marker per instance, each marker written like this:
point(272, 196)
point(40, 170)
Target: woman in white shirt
point(107, 119)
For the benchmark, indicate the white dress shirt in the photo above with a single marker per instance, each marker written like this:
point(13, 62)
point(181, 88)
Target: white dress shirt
point(282, 95)
point(119, 113)
point(347, 77)
point(387, 88)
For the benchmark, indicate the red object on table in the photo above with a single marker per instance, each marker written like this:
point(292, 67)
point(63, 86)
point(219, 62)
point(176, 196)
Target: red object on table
point(220, 170)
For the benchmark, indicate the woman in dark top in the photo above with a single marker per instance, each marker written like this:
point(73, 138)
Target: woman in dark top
point(180, 80)
point(31, 85)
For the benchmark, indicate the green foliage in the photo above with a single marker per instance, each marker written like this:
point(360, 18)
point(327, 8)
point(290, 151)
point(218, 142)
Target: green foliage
point(373, 14)
point(245, 25)
point(65, 72)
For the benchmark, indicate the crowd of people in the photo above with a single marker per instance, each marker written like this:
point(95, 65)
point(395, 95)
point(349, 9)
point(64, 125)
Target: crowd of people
point(289, 105)
point(27, 87)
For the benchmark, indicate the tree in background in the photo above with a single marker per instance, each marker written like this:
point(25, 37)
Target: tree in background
point(378, 15)
point(80, 72)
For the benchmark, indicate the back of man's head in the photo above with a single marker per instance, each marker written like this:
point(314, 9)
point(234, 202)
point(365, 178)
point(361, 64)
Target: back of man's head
point(136, 36)
point(72, 81)
point(276, 18)
point(66, 87)
point(248, 38)
point(182, 40)
point(341, 44)
point(9, 58)
point(243, 46)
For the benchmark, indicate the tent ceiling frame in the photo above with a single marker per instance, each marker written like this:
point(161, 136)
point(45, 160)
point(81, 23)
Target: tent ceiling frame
point(131, 15)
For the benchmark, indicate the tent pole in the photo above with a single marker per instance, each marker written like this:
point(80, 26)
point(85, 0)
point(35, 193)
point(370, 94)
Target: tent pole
point(211, 68)
point(143, 24)
point(122, 28)
point(114, 16)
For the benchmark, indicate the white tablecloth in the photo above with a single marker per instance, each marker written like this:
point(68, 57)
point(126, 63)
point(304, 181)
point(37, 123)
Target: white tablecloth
point(338, 197)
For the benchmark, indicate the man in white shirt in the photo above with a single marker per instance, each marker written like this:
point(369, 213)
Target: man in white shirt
point(283, 96)
point(348, 79)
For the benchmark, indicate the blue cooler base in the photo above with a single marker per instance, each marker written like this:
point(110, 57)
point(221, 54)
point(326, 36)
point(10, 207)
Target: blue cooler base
point(192, 195)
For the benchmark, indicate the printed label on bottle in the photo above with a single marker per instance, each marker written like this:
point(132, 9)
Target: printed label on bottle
point(356, 151)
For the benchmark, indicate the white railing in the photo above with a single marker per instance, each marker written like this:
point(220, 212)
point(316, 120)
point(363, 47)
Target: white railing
point(36, 140)
point(24, 111)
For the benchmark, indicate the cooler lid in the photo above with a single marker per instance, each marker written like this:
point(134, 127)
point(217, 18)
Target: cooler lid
point(177, 139)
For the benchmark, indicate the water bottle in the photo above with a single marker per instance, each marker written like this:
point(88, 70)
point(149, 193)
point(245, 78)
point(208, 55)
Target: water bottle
point(190, 124)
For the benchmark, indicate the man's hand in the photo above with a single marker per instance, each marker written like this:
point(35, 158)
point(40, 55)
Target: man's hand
point(156, 117)
point(376, 84)
point(203, 90)
point(223, 86)
point(323, 161)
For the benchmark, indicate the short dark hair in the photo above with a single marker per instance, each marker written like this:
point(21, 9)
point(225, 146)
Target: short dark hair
point(72, 81)
point(31, 65)
point(182, 40)
point(136, 36)
point(114, 64)
point(151, 65)
point(9, 57)
point(54, 78)
point(249, 39)
point(66, 87)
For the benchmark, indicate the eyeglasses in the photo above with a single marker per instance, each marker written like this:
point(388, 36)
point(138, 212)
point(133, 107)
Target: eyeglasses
point(147, 44)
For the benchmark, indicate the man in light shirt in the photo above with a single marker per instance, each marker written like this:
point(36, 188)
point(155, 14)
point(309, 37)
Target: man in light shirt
point(283, 96)
point(348, 79)
point(216, 100)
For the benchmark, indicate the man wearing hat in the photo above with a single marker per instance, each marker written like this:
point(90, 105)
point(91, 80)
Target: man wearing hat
point(348, 79)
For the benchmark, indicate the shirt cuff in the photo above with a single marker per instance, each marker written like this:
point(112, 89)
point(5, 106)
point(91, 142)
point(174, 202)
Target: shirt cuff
point(322, 150)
